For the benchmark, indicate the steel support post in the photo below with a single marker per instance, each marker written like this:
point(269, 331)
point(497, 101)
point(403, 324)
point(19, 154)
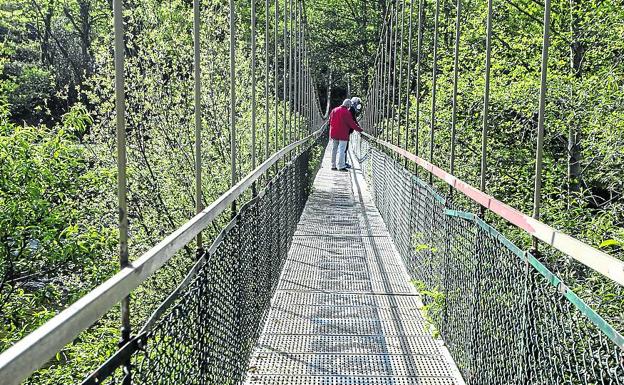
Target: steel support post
point(285, 76)
point(276, 75)
point(122, 185)
point(455, 80)
point(400, 94)
point(540, 125)
point(388, 98)
point(434, 77)
point(266, 79)
point(394, 77)
point(486, 101)
point(421, 6)
point(409, 77)
point(291, 80)
point(232, 17)
point(199, 205)
point(253, 89)
point(387, 76)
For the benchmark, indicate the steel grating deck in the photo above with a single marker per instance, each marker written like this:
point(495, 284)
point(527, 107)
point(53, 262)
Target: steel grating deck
point(345, 312)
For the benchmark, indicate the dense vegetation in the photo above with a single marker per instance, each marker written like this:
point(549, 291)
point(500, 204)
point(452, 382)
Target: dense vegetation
point(58, 236)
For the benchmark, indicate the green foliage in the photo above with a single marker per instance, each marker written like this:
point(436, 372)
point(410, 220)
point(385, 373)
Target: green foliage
point(77, 120)
point(30, 92)
point(434, 305)
point(50, 234)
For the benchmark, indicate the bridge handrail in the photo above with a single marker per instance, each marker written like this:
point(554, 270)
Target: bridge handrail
point(595, 259)
point(34, 350)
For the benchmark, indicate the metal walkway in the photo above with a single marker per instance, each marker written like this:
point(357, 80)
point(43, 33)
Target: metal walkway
point(345, 311)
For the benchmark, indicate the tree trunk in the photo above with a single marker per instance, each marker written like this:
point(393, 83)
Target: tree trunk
point(46, 45)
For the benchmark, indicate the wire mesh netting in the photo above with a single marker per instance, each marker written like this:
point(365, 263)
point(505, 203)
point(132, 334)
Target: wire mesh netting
point(205, 331)
point(504, 316)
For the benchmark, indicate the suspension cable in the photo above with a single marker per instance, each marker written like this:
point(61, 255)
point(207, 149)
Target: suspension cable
point(253, 84)
point(434, 77)
point(233, 96)
point(540, 125)
point(455, 80)
point(409, 77)
point(421, 19)
point(276, 75)
point(486, 100)
point(199, 206)
point(122, 186)
point(266, 79)
point(399, 99)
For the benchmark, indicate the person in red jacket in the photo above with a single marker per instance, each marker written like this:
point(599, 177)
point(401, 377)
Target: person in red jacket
point(341, 122)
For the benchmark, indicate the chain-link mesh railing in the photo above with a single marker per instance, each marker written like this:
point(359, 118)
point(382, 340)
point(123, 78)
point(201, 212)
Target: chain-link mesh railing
point(505, 317)
point(205, 331)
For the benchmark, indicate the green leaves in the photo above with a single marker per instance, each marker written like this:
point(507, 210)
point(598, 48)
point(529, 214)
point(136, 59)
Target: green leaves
point(47, 230)
point(610, 242)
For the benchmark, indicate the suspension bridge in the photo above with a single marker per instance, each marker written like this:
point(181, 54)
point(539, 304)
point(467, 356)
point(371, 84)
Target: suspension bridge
point(387, 274)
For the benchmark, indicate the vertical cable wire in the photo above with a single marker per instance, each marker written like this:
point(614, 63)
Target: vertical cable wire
point(455, 80)
point(383, 78)
point(285, 76)
point(122, 186)
point(399, 99)
point(486, 100)
point(302, 77)
point(421, 5)
point(391, 104)
point(302, 81)
point(275, 75)
point(253, 85)
point(391, 73)
point(434, 85)
point(199, 206)
point(386, 77)
point(409, 77)
point(540, 125)
point(290, 71)
point(233, 96)
point(296, 71)
point(266, 79)
point(376, 108)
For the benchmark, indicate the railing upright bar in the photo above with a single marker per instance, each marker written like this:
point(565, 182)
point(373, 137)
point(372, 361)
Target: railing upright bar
point(455, 80)
point(421, 19)
point(285, 76)
point(373, 105)
point(232, 18)
point(382, 76)
point(434, 77)
point(291, 79)
point(276, 75)
point(199, 205)
point(253, 84)
point(122, 184)
point(296, 72)
point(387, 99)
point(400, 94)
point(383, 79)
point(394, 76)
point(409, 75)
point(486, 100)
point(266, 79)
point(540, 124)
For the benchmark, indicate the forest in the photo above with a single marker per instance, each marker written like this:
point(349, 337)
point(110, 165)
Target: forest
point(58, 213)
